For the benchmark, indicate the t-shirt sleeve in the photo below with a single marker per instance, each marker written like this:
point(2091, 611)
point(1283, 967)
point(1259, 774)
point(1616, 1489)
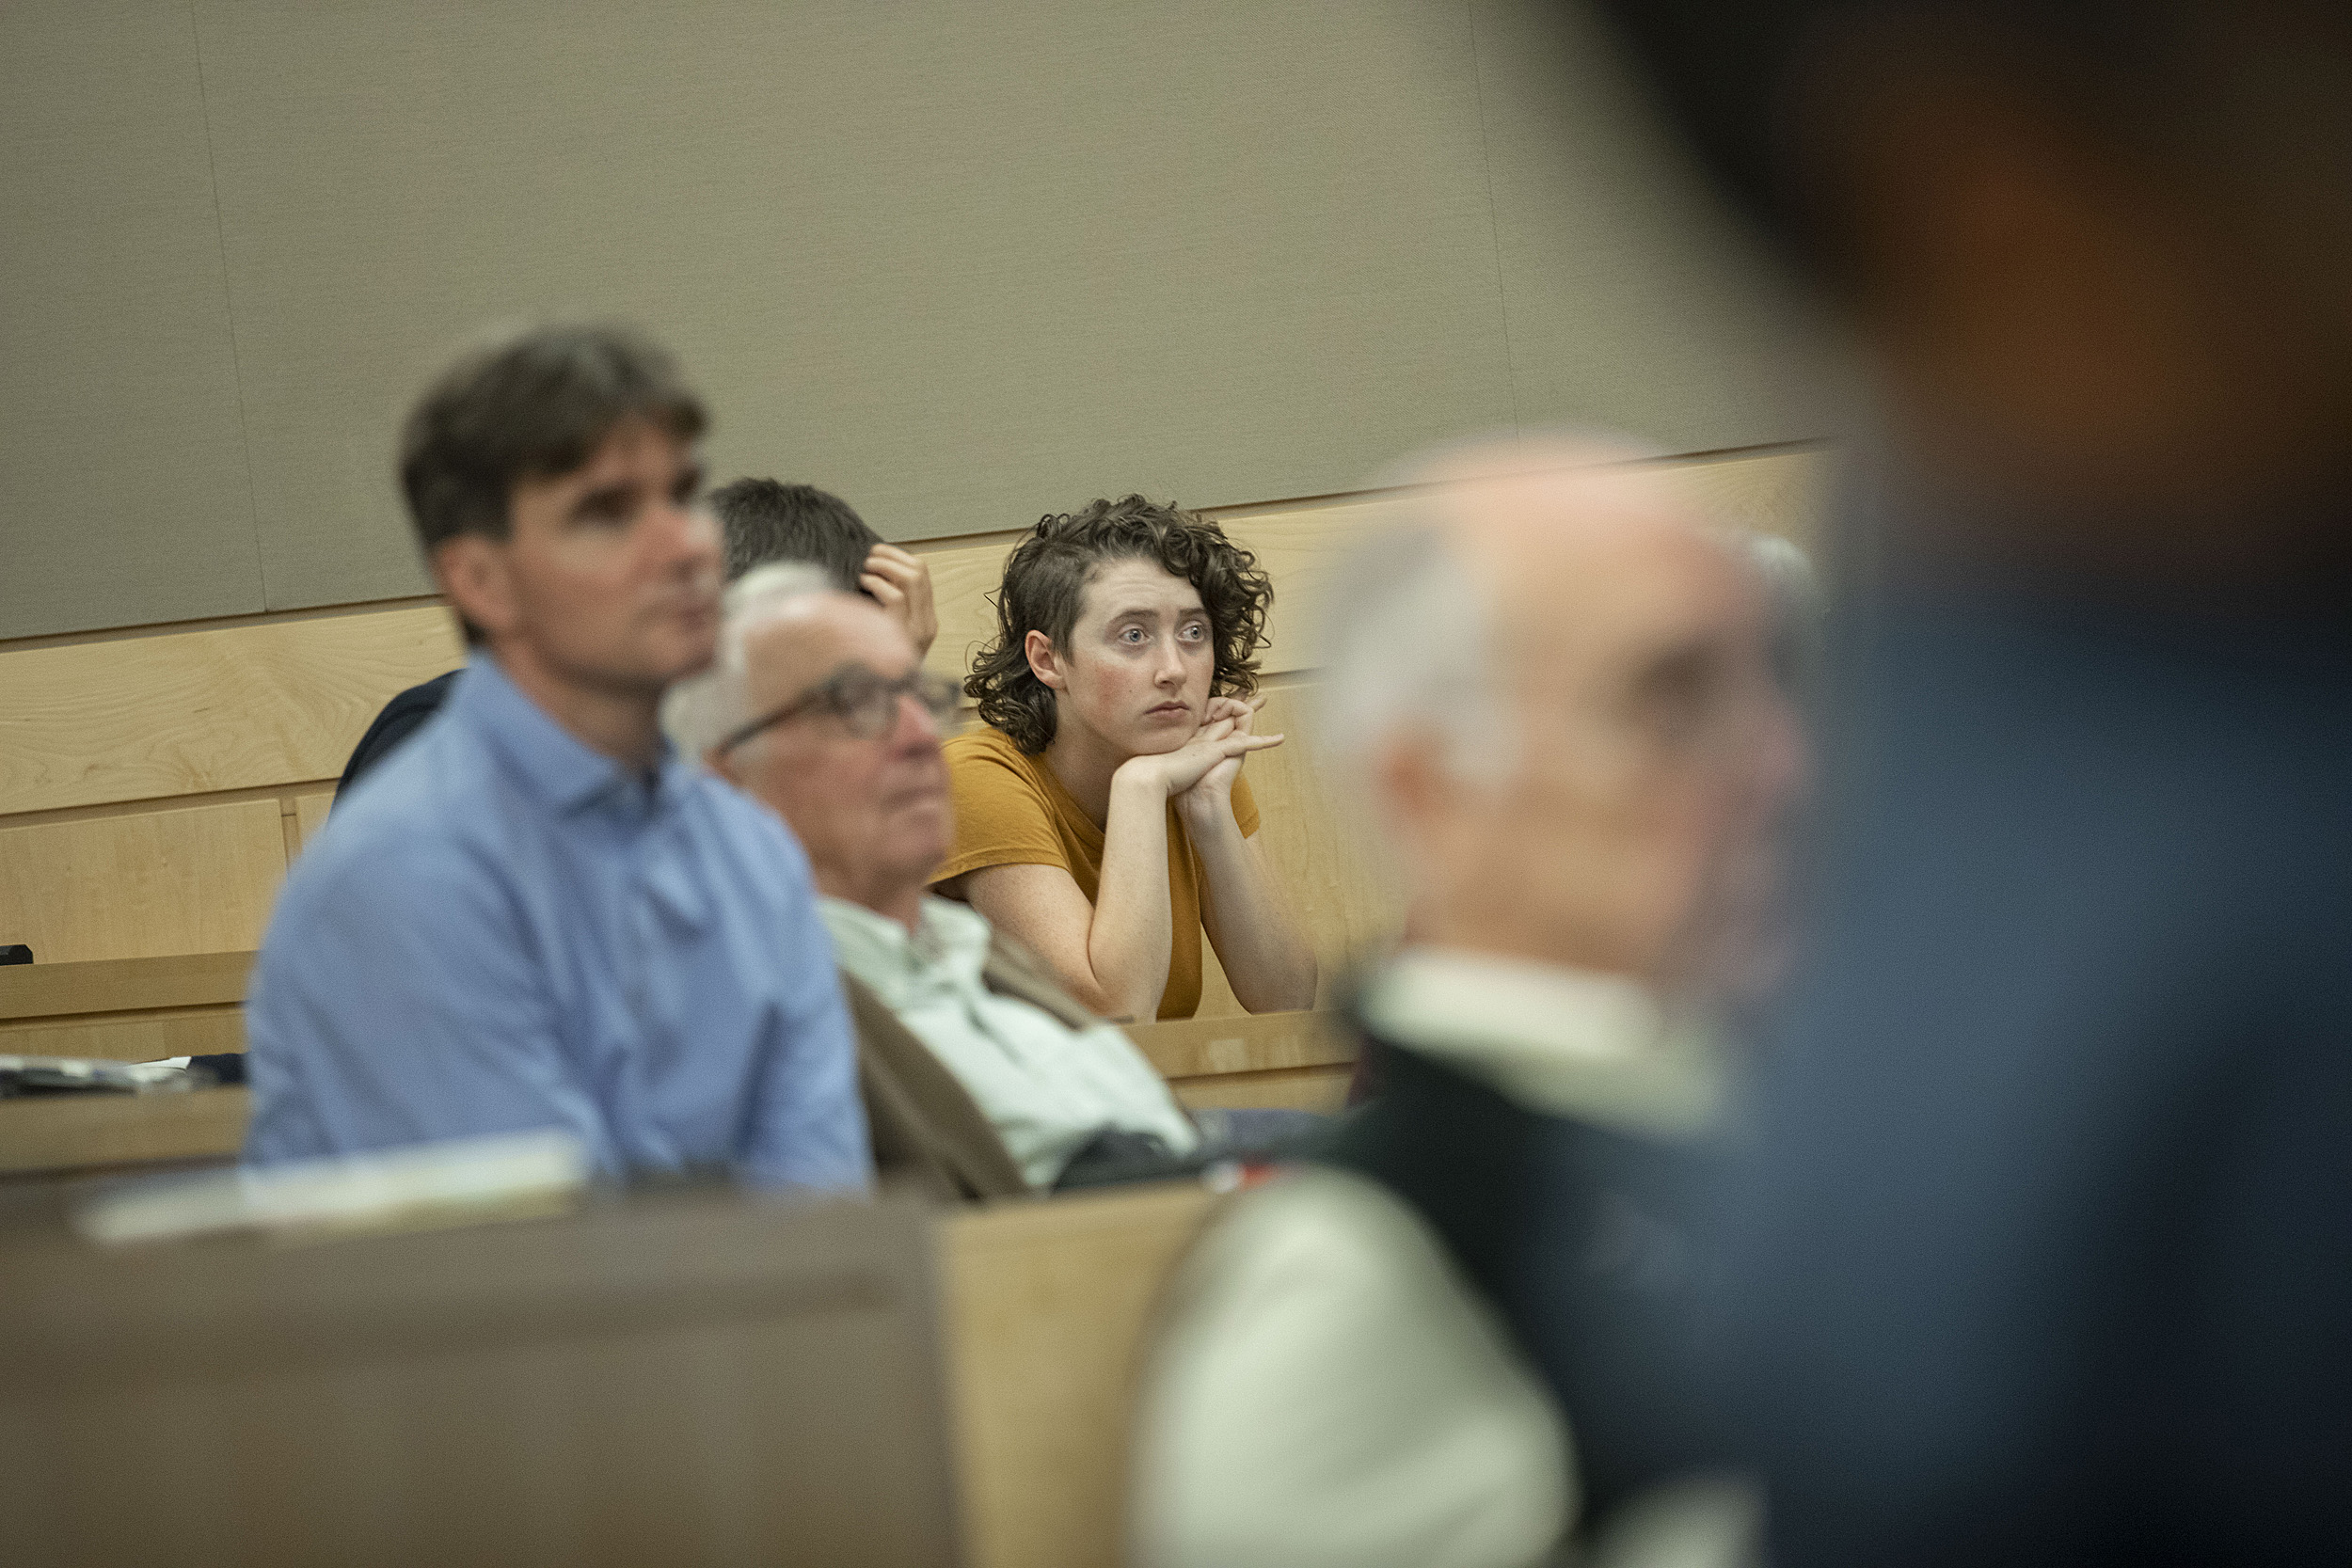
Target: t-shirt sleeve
point(1002, 816)
point(1244, 804)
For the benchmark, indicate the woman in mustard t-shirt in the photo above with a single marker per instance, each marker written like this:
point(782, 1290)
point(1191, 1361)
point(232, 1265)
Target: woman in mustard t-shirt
point(1101, 816)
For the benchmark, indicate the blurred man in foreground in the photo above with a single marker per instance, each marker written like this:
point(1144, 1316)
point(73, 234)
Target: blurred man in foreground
point(2044, 1252)
point(535, 915)
point(819, 707)
point(1467, 1327)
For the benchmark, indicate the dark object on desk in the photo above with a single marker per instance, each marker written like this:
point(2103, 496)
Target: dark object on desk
point(402, 717)
point(689, 1377)
point(22, 1075)
point(16, 953)
point(226, 1067)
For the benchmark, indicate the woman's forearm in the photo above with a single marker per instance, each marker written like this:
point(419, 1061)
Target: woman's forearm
point(1266, 958)
point(1129, 940)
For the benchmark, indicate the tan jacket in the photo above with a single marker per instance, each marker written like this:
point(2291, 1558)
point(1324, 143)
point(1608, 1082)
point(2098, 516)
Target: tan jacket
point(926, 1129)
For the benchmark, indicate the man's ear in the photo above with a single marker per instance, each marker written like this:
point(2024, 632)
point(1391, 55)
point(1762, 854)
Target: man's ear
point(473, 574)
point(1043, 662)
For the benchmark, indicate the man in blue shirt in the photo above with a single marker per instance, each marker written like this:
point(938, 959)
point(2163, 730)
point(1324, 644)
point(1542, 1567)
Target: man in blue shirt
point(535, 915)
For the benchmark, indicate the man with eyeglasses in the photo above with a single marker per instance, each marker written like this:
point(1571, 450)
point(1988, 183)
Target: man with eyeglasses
point(535, 915)
point(819, 706)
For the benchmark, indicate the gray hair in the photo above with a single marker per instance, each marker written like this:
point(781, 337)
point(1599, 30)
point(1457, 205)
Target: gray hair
point(701, 710)
point(1407, 644)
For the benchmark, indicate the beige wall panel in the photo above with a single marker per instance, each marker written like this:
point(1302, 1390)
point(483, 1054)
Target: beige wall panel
point(1047, 1306)
point(138, 718)
point(1634, 302)
point(197, 880)
point(123, 498)
point(963, 264)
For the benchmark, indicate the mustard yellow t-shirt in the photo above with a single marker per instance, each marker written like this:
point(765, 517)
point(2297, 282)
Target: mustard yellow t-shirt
point(1011, 810)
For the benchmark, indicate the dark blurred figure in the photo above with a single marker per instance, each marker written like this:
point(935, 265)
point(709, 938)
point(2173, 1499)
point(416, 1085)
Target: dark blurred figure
point(2045, 1253)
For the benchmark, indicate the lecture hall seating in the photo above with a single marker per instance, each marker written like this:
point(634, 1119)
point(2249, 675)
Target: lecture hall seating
point(158, 785)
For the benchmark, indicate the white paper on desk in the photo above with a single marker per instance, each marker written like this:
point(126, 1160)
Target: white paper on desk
point(461, 1177)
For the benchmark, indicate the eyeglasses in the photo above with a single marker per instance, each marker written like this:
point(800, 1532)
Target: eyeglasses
point(863, 700)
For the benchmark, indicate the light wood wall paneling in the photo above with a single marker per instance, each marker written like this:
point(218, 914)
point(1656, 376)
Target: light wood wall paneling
point(144, 1036)
point(1323, 853)
point(1047, 1305)
point(46, 990)
point(141, 719)
point(310, 814)
point(1322, 1089)
point(1297, 544)
point(1198, 1047)
point(1782, 493)
point(57, 1133)
point(199, 879)
point(283, 702)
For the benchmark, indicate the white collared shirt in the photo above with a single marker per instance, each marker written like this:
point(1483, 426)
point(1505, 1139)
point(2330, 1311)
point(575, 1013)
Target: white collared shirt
point(1046, 1087)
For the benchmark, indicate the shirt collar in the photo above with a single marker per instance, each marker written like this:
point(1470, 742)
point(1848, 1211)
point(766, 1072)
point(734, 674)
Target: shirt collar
point(948, 939)
point(561, 770)
point(1561, 1041)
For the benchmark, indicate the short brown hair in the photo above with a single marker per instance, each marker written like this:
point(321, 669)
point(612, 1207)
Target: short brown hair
point(1045, 580)
point(765, 520)
point(532, 405)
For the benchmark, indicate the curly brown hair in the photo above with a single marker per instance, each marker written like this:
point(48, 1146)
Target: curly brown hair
point(1045, 580)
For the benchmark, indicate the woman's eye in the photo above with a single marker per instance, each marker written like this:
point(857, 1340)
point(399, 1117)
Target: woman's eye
point(1196, 632)
point(1133, 636)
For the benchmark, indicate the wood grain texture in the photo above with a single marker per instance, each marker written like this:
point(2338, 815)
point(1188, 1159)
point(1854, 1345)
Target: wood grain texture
point(47, 990)
point(1323, 855)
point(1313, 1088)
point(81, 1132)
point(198, 880)
point(1046, 1307)
point(146, 718)
point(310, 814)
point(1196, 1047)
point(130, 1036)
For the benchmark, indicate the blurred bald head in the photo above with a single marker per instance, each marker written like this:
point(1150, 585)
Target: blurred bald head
point(1553, 683)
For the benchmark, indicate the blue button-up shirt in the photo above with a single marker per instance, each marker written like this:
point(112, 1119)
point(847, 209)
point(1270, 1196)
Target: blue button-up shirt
point(502, 930)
